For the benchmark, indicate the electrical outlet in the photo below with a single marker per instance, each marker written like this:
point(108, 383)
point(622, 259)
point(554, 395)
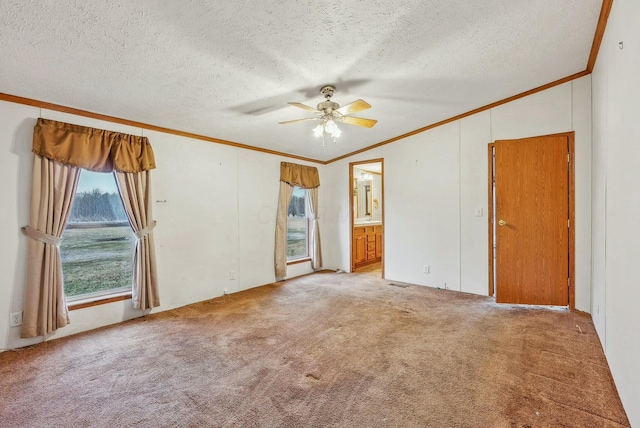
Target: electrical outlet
point(426, 269)
point(15, 319)
point(232, 274)
point(225, 291)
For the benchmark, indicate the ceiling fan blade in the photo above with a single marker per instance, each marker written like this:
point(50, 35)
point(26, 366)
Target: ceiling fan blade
point(303, 106)
point(356, 106)
point(358, 121)
point(298, 120)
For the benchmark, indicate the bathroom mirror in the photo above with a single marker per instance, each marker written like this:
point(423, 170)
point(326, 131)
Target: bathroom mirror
point(363, 198)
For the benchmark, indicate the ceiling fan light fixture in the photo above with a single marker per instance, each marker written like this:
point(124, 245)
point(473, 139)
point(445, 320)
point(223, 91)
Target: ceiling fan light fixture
point(330, 127)
point(318, 131)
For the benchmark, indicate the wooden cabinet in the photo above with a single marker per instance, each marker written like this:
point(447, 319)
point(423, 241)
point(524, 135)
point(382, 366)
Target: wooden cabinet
point(367, 245)
point(359, 248)
point(379, 243)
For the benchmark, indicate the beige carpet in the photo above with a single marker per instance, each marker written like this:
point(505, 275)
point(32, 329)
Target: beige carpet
point(326, 350)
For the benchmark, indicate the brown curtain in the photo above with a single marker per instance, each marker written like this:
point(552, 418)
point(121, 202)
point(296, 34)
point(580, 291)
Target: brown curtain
point(52, 191)
point(61, 150)
point(302, 176)
point(135, 191)
point(284, 198)
point(306, 177)
point(90, 148)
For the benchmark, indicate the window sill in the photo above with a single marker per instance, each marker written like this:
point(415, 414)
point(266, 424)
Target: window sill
point(297, 261)
point(99, 300)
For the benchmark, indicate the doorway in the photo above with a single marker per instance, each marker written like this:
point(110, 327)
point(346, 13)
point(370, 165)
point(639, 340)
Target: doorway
point(366, 205)
point(531, 234)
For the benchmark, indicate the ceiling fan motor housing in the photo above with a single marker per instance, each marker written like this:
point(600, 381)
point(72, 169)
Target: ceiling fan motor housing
point(328, 106)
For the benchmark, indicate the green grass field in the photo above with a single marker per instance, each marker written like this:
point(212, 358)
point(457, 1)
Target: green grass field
point(296, 237)
point(96, 259)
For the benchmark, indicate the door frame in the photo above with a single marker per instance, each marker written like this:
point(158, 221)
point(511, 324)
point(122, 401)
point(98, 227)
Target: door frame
point(351, 216)
point(571, 280)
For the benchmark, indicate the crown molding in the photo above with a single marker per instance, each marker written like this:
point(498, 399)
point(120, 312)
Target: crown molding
point(113, 119)
point(463, 115)
point(600, 29)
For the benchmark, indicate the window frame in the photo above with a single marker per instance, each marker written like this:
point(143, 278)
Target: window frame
point(95, 298)
point(98, 300)
point(307, 256)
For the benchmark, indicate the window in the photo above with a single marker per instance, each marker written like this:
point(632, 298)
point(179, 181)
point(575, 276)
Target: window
point(97, 245)
point(298, 225)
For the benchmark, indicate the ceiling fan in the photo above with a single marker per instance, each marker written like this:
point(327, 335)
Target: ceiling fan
point(328, 113)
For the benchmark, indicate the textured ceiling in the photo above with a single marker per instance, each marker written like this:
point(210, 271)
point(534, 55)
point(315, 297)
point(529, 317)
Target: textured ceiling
point(228, 69)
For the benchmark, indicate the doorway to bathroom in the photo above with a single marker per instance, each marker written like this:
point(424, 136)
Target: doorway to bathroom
point(366, 203)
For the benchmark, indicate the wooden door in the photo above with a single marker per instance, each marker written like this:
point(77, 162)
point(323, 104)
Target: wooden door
point(532, 220)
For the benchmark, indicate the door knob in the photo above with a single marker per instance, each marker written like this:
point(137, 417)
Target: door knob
point(502, 223)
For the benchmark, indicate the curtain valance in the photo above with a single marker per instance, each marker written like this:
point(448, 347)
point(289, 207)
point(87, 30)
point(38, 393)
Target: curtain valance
point(90, 148)
point(302, 176)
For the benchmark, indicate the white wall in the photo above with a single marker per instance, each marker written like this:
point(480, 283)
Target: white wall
point(435, 180)
point(616, 196)
point(219, 216)
point(422, 212)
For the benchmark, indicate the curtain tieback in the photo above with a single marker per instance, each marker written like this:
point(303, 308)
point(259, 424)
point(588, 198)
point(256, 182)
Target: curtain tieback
point(41, 236)
point(144, 232)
